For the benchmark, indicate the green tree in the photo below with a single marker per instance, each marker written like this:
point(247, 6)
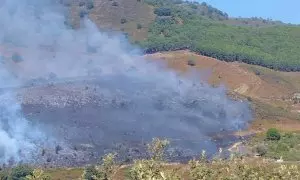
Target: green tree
point(273, 134)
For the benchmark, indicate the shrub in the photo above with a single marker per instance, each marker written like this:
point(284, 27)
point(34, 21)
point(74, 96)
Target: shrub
point(16, 57)
point(38, 174)
point(273, 134)
point(83, 13)
point(157, 148)
point(4, 174)
point(89, 173)
point(90, 4)
point(57, 149)
point(115, 4)
point(257, 72)
point(52, 76)
point(123, 21)
point(261, 149)
point(162, 11)
point(105, 171)
point(81, 3)
point(191, 62)
point(153, 168)
point(20, 172)
point(139, 26)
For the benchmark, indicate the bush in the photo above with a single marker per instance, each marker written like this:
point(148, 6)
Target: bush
point(105, 171)
point(191, 62)
point(261, 149)
point(162, 11)
point(4, 174)
point(115, 4)
point(20, 172)
point(83, 13)
point(57, 149)
point(38, 174)
point(123, 21)
point(273, 134)
point(81, 3)
point(90, 4)
point(139, 26)
point(16, 57)
point(89, 173)
point(153, 168)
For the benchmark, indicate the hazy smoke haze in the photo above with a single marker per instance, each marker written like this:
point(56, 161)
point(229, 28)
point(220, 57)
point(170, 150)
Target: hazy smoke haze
point(136, 95)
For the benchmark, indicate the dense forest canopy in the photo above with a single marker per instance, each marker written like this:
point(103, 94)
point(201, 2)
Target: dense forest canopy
point(211, 32)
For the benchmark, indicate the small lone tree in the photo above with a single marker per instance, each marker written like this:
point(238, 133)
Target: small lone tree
point(273, 134)
point(20, 172)
point(105, 171)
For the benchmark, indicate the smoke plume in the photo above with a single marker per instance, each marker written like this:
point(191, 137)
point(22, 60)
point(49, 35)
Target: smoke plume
point(136, 97)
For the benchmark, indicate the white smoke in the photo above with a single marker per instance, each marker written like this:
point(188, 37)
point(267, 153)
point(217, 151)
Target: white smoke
point(161, 102)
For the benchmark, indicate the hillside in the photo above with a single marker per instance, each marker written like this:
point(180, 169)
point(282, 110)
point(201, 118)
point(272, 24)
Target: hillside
point(242, 119)
point(166, 25)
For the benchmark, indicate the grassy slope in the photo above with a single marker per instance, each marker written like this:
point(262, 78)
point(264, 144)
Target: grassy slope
point(274, 46)
point(198, 27)
point(108, 14)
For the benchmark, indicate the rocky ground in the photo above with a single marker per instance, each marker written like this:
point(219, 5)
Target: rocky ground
point(86, 125)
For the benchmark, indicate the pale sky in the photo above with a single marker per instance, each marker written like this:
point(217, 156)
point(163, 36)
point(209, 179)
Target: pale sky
point(284, 10)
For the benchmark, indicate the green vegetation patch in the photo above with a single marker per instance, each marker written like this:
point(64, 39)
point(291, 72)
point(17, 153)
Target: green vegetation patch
point(276, 145)
point(203, 29)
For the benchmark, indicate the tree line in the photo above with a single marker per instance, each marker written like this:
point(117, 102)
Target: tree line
point(179, 25)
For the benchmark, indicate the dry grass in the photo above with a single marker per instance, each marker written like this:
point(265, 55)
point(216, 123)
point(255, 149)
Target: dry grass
point(108, 16)
point(65, 174)
point(269, 91)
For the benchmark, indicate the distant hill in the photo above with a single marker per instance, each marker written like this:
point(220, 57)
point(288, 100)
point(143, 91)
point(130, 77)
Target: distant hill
point(165, 25)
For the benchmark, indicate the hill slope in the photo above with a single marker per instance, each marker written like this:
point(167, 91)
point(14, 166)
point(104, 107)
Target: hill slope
point(164, 25)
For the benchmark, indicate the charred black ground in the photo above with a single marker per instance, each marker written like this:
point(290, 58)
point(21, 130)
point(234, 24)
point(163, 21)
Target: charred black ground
point(86, 123)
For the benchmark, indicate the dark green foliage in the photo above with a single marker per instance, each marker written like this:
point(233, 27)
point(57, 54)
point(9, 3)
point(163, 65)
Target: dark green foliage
point(16, 57)
point(194, 6)
point(162, 11)
point(273, 134)
point(139, 26)
point(288, 147)
point(90, 173)
point(83, 13)
point(203, 31)
point(4, 174)
point(90, 4)
point(115, 3)
point(20, 172)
